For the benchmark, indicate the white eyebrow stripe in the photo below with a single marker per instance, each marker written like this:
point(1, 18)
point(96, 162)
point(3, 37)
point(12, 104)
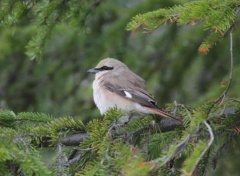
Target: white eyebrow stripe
point(128, 94)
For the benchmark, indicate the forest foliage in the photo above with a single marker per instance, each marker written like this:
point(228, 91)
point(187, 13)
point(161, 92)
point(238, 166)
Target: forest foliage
point(46, 48)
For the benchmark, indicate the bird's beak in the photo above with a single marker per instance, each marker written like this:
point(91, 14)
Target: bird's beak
point(93, 70)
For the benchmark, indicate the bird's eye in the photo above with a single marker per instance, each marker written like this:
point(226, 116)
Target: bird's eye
point(106, 68)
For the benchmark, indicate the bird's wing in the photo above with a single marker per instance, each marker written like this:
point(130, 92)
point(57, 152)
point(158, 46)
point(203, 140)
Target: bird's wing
point(127, 78)
point(129, 86)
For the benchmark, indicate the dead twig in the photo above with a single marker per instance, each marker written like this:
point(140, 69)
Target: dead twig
point(208, 146)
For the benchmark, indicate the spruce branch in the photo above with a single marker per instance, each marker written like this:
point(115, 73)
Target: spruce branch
point(73, 140)
point(207, 148)
point(165, 125)
point(215, 17)
point(237, 12)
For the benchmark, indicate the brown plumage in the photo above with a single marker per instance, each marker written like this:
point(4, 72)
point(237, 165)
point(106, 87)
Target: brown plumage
point(117, 86)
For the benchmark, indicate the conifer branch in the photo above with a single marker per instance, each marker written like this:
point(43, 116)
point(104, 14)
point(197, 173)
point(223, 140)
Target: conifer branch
point(237, 12)
point(73, 140)
point(216, 18)
point(208, 146)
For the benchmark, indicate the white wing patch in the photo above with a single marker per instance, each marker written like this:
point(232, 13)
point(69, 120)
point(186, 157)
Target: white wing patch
point(128, 95)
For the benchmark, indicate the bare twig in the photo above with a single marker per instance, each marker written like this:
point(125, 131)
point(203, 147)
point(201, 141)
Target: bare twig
point(184, 142)
point(176, 105)
point(223, 95)
point(178, 150)
point(75, 159)
point(24, 143)
point(231, 72)
point(223, 110)
point(61, 163)
point(208, 146)
point(86, 149)
point(237, 12)
point(235, 100)
point(181, 146)
point(106, 155)
point(59, 158)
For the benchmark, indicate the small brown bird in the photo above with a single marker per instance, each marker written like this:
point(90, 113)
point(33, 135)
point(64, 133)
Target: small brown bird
point(117, 86)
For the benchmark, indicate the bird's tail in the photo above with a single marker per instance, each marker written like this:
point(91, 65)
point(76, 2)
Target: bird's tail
point(165, 114)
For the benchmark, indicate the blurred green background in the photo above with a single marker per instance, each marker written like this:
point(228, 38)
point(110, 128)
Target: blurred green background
point(167, 59)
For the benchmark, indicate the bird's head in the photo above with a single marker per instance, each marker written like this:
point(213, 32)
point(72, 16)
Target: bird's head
point(106, 65)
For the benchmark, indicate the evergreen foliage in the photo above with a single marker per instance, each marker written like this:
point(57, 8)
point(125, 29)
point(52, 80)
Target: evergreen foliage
point(118, 143)
point(112, 147)
point(49, 14)
point(216, 17)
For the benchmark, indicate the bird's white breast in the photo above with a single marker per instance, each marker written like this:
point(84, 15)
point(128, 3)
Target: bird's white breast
point(105, 99)
point(100, 96)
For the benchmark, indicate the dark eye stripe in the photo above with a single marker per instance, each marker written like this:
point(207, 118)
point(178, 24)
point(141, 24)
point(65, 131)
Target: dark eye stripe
point(105, 68)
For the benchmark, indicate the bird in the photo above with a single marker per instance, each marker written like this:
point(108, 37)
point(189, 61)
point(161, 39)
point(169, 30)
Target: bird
point(115, 85)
